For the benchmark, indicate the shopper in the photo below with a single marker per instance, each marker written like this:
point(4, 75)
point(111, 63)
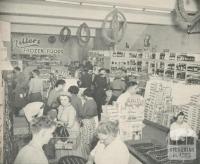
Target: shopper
point(78, 71)
point(68, 121)
point(100, 87)
point(130, 98)
point(42, 129)
point(19, 90)
point(85, 79)
point(124, 76)
point(87, 65)
point(180, 130)
point(54, 94)
point(35, 92)
point(33, 110)
point(110, 149)
point(75, 100)
point(108, 76)
point(52, 80)
point(88, 113)
point(117, 86)
point(67, 114)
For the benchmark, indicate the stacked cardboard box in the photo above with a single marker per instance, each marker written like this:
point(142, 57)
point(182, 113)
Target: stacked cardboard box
point(158, 107)
point(130, 119)
point(192, 112)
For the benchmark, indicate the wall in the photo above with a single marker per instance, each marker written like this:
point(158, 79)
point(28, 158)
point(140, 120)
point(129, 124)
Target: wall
point(72, 51)
point(162, 37)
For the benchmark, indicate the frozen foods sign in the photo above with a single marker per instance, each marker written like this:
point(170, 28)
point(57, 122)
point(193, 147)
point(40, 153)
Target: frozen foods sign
point(34, 45)
point(45, 51)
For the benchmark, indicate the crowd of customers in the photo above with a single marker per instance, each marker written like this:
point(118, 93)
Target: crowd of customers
point(73, 112)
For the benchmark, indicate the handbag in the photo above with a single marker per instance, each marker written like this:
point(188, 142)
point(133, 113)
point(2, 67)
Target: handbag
point(61, 131)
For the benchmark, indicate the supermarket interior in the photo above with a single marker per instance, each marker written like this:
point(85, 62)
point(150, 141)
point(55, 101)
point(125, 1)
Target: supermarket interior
point(100, 82)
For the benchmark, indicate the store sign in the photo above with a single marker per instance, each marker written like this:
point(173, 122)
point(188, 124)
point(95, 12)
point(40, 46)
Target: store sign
point(45, 51)
point(25, 42)
point(182, 152)
point(34, 45)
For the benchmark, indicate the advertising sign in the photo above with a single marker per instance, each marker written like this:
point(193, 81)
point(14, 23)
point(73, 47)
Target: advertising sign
point(34, 45)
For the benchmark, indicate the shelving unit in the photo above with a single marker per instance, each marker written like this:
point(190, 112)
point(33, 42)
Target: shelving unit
point(45, 63)
point(169, 65)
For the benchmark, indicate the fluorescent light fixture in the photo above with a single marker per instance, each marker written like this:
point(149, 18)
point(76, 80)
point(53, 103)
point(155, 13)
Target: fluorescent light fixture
point(129, 8)
point(64, 1)
point(143, 9)
point(96, 5)
point(158, 11)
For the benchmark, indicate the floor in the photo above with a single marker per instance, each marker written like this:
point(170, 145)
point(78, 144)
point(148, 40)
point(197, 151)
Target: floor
point(134, 160)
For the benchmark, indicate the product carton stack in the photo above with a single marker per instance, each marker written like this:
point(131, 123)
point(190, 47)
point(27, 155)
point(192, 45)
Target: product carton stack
point(158, 107)
point(110, 112)
point(192, 112)
point(130, 119)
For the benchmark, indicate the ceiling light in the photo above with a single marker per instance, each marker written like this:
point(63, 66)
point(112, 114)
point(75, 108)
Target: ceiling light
point(158, 11)
point(129, 8)
point(63, 1)
point(96, 5)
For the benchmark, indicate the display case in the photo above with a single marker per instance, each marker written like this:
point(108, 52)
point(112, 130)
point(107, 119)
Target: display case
point(44, 63)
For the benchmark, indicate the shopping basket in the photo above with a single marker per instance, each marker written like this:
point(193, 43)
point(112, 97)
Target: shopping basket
point(68, 143)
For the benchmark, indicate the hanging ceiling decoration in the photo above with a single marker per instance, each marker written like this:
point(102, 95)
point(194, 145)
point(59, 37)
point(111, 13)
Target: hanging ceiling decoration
point(83, 39)
point(117, 25)
point(64, 37)
point(187, 21)
point(52, 39)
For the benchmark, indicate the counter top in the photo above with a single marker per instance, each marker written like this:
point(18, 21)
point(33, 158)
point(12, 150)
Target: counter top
point(140, 156)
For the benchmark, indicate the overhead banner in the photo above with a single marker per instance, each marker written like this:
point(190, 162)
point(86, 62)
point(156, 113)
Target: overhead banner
point(33, 44)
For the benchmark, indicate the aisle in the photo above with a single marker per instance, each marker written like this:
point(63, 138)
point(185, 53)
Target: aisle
point(133, 160)
point(20, 125)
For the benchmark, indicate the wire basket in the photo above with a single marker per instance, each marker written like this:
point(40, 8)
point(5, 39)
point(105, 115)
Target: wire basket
point(68, 143)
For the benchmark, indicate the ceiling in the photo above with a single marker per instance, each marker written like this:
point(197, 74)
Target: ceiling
point(152, 4)
point(38, 16)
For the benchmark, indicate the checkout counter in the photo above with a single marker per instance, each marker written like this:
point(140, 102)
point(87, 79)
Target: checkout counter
point(152, 149)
